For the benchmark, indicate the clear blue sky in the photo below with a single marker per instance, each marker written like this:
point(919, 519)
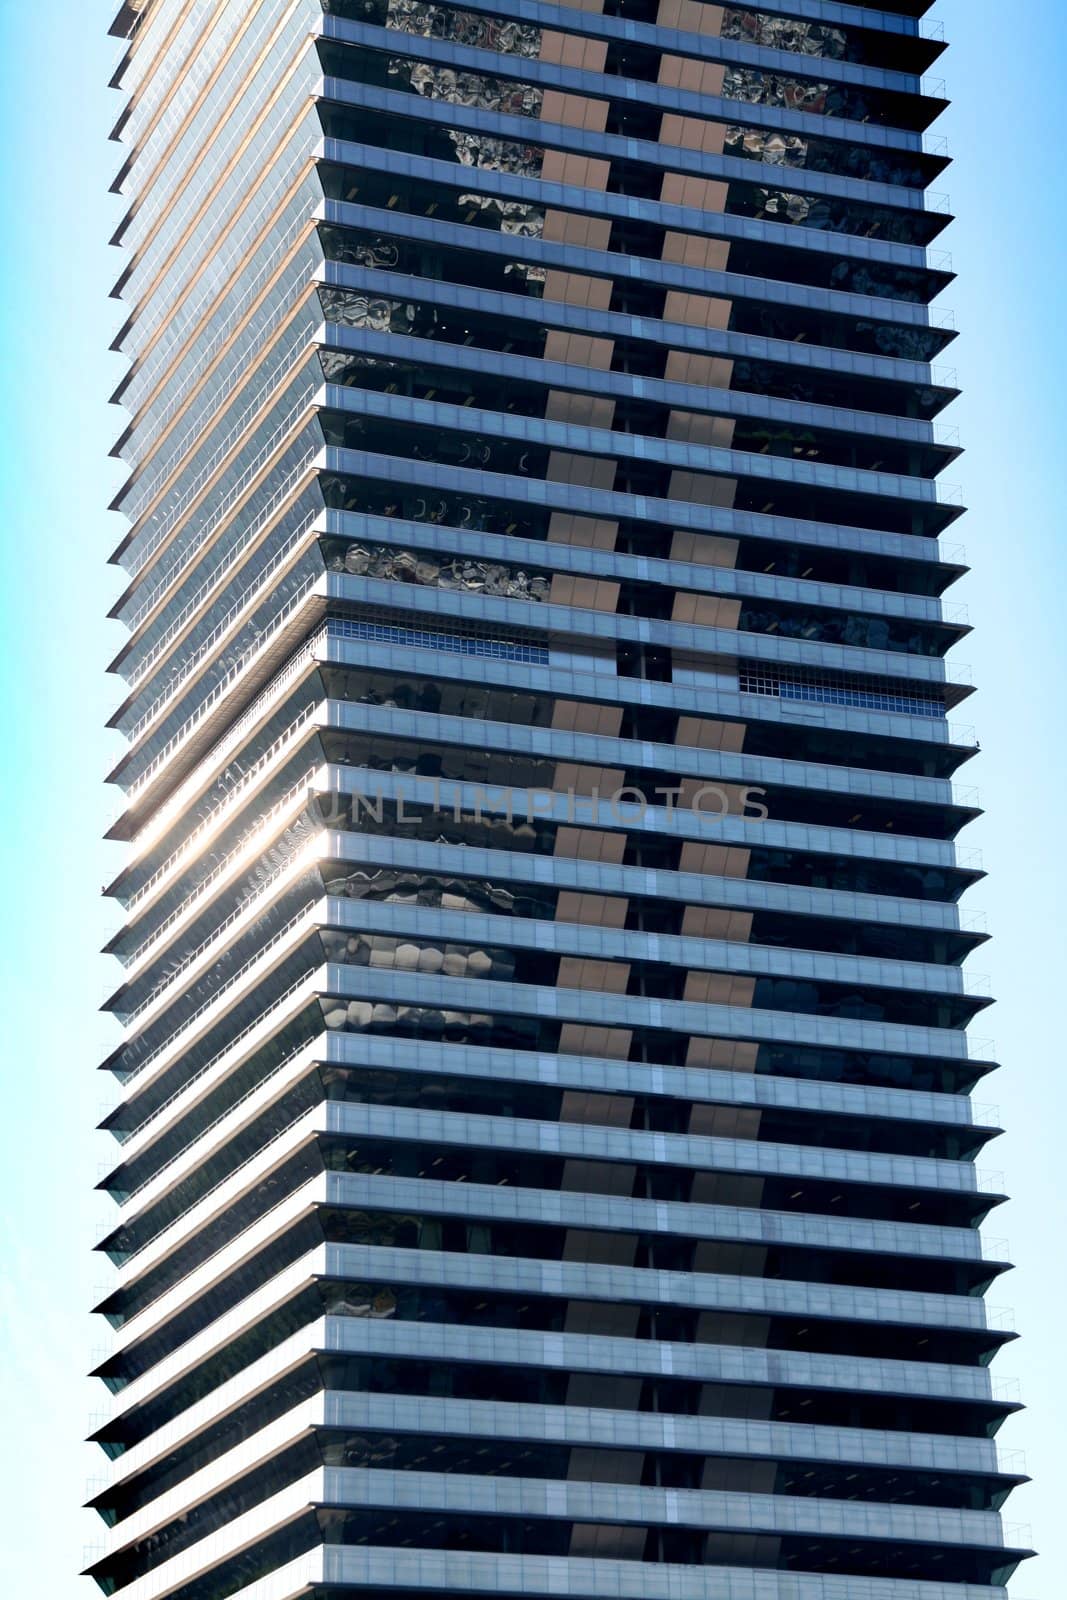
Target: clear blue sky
point(1005, 72)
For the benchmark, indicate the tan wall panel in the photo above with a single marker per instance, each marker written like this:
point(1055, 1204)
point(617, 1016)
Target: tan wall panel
point(582, 1039)
point(696, 310)
point(581, 716)
point(719, 989)
point(605, 1543)
point(568, 227)
point(575, 779)
point(602, 1110)
point(564, 166)
point(726, 1055)
point(703, 733)
point(590, 472)
point(572, 50)
point(580, 349)
point(598, 1177)
point(706, 610)
point(703, 549)
point(688, 189)
point(574, 110)
point(591, 910)
point(605, 977)
point(696, 250)
point(575, 289)
point(693, 133)
point(692, 366)
point(725, 1122)
point(583, 410)
point(692, 74)
point(591, 844)
point(590, 594)
point(716, 922)
point(700, 489)
point(691, 16)
point(595, 533)
point(728, 799)
point(714, 860)
point(698, 427)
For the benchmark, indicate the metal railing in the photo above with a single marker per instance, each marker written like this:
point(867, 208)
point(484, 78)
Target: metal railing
point(123, 1136)
point(239, 911)
point(195, 662)
point(206, 352)
point(216, 1122)
point(275, 440)
point(284, 489)
point(237, 431)
point(224, 260)
point(238, 977)
point(211, 819)
point(281, 681)
point(196, 600)
point(278, 1133)
point(200, 892)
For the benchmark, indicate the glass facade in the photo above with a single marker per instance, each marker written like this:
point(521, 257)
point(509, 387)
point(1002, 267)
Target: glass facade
point(545, 1153)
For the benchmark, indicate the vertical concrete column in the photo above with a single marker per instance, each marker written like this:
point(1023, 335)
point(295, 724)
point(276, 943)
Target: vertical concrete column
point(691, 16)
point(594, 533)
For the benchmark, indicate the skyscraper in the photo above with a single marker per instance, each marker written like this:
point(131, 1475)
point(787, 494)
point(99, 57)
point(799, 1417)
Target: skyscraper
point(546, 1155)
